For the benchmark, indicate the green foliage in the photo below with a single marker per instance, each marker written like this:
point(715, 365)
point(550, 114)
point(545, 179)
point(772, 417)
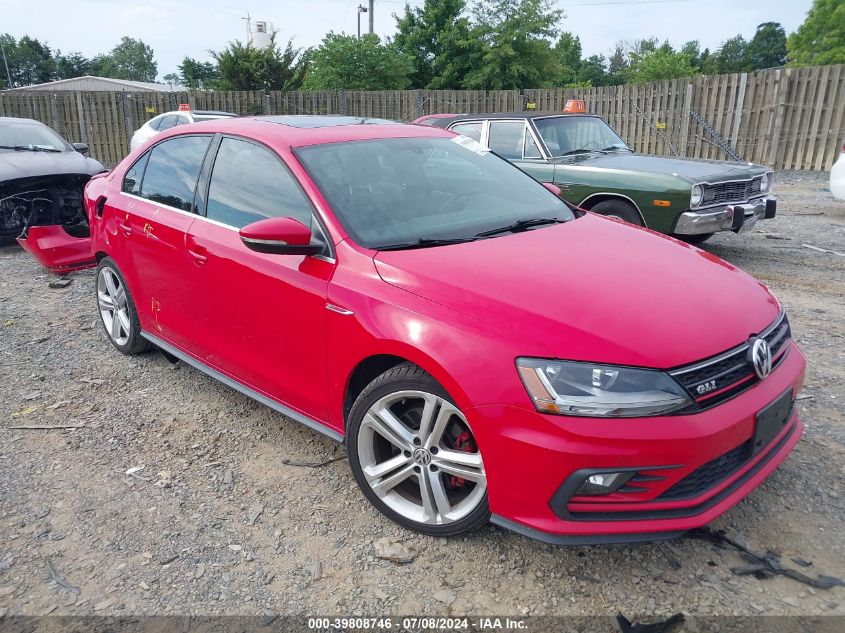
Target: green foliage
point(439, 41)
point(732, 57)
point(594, 71)
point(197, 75)
point(821, 38)
point(517, 51)
point(658, 65)
point(245, 67)
point(767, 49)
point(71, 65)
point(30, 61)
point(568, 53)
point(345, 62)
point(130, 59)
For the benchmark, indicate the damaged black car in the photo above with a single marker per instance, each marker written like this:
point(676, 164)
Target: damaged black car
point(41, 181)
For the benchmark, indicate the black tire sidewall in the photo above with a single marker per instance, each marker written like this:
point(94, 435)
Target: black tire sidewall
point(619, 208)
point(391, 381)
point(136, 343)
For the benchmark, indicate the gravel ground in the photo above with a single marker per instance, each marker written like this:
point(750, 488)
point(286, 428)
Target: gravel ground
point(213, 522)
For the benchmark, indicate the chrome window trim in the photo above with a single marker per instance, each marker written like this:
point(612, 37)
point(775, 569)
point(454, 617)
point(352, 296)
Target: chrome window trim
point(564, 114)
point(485, 135)
point(234, 384)
point(731, 352)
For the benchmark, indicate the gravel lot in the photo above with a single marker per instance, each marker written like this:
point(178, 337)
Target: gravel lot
point(214, 522)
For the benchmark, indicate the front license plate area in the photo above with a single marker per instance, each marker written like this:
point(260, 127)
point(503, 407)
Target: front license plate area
point(771, 420)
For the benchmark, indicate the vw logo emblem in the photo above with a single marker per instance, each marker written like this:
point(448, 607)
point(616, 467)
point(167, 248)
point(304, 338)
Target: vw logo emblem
point(760, 357)
point(422, 457)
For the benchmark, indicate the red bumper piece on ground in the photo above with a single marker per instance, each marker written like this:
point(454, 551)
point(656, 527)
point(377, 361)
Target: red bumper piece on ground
point(57, 250)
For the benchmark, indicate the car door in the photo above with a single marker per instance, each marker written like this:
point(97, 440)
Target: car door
point(260, 318)
point(158, 207)
point(515, 141)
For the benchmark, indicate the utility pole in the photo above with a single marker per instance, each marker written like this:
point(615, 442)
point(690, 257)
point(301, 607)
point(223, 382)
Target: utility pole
point(6, 64)
point(361, 9)
point(371, 16)
point(248, 21)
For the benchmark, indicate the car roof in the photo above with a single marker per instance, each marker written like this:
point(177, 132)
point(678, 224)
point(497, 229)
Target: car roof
point(12, 119)
point(301, 131)
point(219, 113)
point(445, 120)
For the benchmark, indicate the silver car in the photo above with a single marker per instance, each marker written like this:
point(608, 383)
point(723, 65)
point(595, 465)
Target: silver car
point(168, 120)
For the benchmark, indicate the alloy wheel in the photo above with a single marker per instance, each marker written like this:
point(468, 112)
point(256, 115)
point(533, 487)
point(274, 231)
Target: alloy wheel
point(419, 456)
point(114, 306)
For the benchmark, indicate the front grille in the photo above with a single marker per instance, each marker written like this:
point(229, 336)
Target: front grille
point(717, 379)
point(707, 476)
point(737, 191)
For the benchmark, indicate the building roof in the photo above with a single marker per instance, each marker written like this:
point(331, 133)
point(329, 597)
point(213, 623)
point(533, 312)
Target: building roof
point(89, 82)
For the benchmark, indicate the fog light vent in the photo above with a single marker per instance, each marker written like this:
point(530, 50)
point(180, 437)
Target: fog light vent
point(604, 483)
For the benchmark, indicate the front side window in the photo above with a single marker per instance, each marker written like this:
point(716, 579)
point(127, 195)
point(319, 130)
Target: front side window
point(249, 183)
point(472, 130)
point(506, 138)
point(133, 176)
point(568, 135)
point(390, 192)
point(173, 169)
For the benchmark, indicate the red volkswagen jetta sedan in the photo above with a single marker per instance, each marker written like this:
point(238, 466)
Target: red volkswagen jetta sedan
point(483, 351)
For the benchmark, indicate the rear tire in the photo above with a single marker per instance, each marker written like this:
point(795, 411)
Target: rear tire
point(117, 310)
point(414, 456)
point(618, 209)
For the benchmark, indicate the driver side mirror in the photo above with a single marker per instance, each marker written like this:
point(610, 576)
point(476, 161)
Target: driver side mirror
point(82, 148)
point(279, 236)
point(553, 188)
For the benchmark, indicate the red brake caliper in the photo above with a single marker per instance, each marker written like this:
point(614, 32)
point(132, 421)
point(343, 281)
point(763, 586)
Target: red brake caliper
point(465, 444)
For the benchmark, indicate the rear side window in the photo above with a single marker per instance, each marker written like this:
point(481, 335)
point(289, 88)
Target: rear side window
point(182, 120)
point(167, 122)
point(173, 169)
point(248, 183)
point(506, 138)
point(156, 122)
point(132, 179)
point(472, 130)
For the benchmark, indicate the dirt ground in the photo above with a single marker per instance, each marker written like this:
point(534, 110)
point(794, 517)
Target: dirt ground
point(213, 522)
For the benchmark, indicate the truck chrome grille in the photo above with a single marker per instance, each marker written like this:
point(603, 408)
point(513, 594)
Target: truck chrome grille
point(736, 191)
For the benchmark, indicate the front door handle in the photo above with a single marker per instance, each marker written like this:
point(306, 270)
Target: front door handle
point(199, 258)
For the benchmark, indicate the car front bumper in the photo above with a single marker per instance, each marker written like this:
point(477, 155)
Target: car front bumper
point(529, 458)
point(732, 217)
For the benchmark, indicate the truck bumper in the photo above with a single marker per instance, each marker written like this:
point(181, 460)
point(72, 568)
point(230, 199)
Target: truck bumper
point(732, 217)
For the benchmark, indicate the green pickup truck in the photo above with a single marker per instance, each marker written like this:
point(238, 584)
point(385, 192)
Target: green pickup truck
point(596, 170)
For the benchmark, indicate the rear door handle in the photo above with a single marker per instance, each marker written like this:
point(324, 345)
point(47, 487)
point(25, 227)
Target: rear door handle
point(199, 258)
point(127, 230)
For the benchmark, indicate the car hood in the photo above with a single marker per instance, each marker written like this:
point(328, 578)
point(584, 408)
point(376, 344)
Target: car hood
point(593, 289)
point(694, 170)
point(22, 164)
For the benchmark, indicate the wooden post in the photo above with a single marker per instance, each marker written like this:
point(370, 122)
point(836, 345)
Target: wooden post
point(54, 111)
point(418, 104)
point(265, 103)
point(782, 87)
point(341, 98)
point(80, 110)
point(128, 124)
point(686, 118)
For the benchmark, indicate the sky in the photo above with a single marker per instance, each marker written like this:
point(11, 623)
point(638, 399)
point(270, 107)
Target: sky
point(176, 28)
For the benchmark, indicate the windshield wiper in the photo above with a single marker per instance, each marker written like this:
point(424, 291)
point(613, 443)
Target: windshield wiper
point(425, 242)
point(520, 225)
point(29, 148)
point(577, 151)
point(616, 148)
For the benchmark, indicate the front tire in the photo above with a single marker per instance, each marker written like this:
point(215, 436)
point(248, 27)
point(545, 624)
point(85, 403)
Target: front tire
point(414, 455)
point(618, 209)
point(117, 310)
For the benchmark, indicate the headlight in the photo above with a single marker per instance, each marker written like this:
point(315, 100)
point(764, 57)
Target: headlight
point(697, 196)
point(585, 389)
point(766, 182)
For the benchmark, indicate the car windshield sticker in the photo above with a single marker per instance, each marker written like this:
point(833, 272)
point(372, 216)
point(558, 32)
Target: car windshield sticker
point(471, 144)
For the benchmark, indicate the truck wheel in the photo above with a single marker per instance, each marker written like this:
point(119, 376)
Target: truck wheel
point(618, 209)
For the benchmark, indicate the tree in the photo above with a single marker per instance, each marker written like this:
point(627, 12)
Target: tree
point(821, 38)
point(568, 52)
point(517, 51)
point(197, 75)
point(131, 59)
point(594, 71)
point(345, 62)
point(659, 65)
point(732, 57)
point(245, 67)
point(698, 58)
point(71, 65)
point(30, 61)
point(617, 65)
point(438, 39)
point(767, 49)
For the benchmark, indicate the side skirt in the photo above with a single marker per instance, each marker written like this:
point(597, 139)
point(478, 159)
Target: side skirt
point(294, 415)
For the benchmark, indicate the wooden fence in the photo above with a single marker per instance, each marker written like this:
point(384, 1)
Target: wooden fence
point(789, 118)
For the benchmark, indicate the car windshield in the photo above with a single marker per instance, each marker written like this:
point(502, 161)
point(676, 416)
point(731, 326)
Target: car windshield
point(390, 193)
point(570, 135)
point(31, 136)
